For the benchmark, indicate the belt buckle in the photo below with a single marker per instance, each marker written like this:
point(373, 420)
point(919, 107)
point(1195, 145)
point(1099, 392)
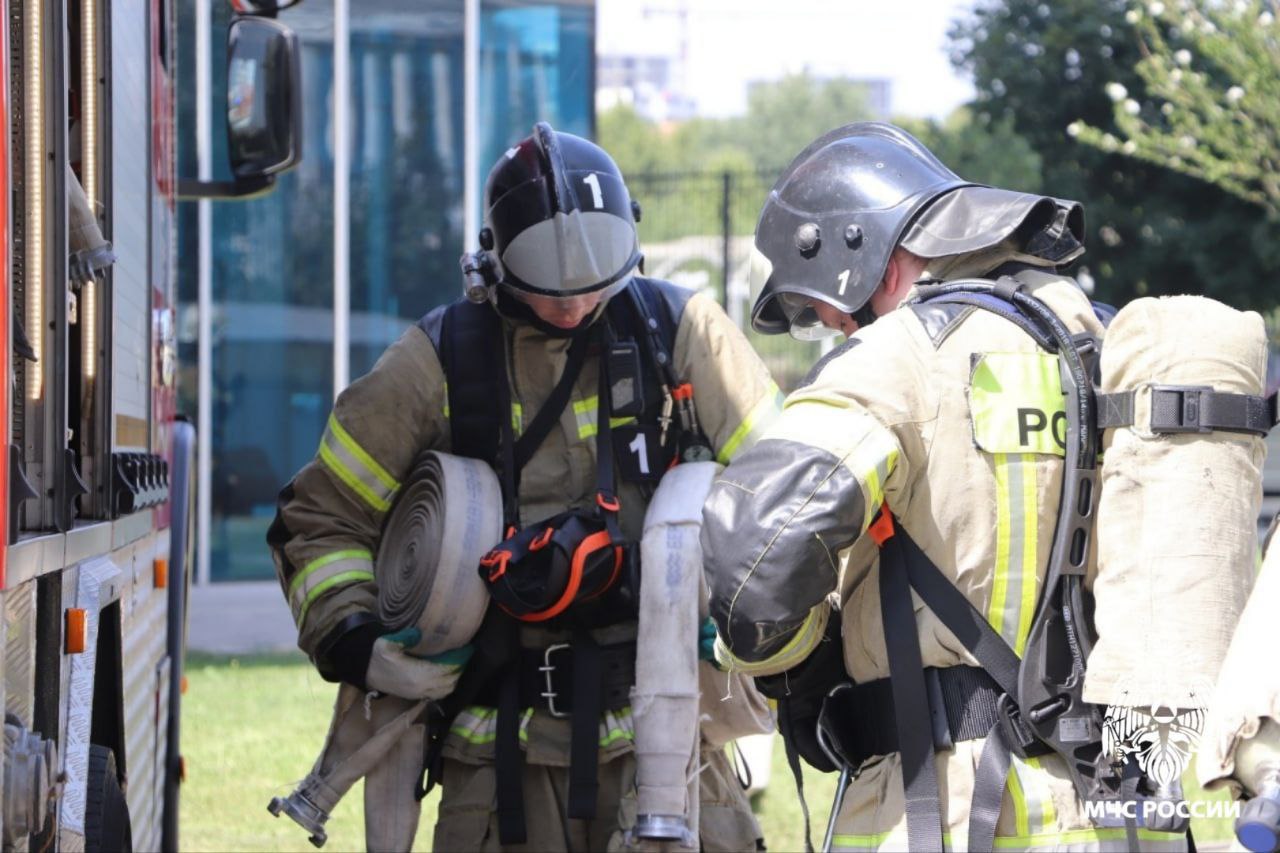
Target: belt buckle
point(1190, 409)
point(547, 669)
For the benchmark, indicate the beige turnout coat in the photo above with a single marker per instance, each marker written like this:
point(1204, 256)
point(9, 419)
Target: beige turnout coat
point(951, 416)
point(330, 515)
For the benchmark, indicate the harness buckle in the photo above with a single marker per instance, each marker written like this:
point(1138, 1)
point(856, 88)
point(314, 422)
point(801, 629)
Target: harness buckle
point(547, 669)
point(607, 501)
point(542, 539)
point(496, 562)
point(1017, 733)
point(1186, 416)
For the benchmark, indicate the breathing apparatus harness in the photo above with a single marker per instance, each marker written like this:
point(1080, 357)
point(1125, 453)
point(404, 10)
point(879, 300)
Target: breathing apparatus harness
point(1033, 705)
point(574, 570)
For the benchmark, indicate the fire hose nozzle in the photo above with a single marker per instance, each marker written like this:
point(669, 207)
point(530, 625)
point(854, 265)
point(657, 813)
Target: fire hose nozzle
point(1258, 827)
point(306, 814)
point(661, 827)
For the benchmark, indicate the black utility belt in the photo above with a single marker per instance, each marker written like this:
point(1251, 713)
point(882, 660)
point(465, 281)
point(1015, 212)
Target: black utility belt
point(546, 678)
point(964, 704)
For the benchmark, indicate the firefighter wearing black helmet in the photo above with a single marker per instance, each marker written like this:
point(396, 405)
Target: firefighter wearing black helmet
point(513, 375)
point(937, 423)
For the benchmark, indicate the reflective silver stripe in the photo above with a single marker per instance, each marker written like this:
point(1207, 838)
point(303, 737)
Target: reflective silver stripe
point(479, 725)
point(1016, 576)
point(353, 465)
point(324, 573)
point(585, 413)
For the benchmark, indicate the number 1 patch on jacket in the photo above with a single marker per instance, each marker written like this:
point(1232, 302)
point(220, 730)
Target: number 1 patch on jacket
point(1016, 403)
point(639, 453)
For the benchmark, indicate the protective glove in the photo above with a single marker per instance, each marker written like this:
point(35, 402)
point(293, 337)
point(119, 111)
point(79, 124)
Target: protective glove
point(707, 643)
point(799, 693)
point(396, 672)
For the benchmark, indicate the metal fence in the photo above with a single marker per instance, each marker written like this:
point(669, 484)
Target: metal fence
point(696, 230)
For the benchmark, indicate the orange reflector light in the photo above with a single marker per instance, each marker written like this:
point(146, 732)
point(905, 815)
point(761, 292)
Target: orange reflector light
point(183, 688)
point(77, 629)
point(161, 567)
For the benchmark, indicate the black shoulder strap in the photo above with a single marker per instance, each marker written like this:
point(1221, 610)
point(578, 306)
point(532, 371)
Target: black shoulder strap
point(465, 335)
point(649, 312)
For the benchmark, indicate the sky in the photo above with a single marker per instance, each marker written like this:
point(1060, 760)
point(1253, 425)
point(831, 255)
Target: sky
point(731, 43)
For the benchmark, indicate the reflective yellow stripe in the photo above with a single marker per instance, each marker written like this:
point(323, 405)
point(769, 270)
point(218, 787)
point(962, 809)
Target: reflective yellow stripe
point(446, 400)
point(1085, 836)
point(872, 461)
point(586, 413)
point(1033, 812)
point(517, 418)
point(806, 639)
point(479, 725)
point(302, 588)
point(1015, 842)
point(1019, 799)
point(323, 574)
point(356, 468)
point(873, 480)
point(761, 416)
point(1014, 581)
point(1044, 799)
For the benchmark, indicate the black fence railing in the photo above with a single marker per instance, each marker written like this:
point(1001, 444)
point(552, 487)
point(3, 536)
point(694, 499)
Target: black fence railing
point(696, 230)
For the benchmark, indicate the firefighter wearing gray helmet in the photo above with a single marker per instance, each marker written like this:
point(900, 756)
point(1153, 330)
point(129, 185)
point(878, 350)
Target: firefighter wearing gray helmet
point(914, 435)
point(569, 352)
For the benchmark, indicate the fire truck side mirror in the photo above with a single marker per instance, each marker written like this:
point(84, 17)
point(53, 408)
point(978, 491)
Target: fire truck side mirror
point(264, 104)
point(264, 108)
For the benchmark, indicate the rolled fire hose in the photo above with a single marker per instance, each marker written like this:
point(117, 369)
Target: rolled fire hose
point(446, 517)
point(665, 699)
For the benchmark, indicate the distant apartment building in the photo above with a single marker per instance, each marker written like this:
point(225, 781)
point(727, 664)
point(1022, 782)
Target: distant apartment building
point(646, 83)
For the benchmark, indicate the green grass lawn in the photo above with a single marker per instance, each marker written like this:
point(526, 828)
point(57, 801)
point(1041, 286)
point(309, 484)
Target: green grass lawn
point(252, 728)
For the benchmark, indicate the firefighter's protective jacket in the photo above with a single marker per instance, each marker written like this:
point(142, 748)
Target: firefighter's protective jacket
point(953, 417)
point(331, 513)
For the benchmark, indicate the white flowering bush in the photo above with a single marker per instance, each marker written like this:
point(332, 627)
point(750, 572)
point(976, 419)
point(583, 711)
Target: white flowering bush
point(1211, 106)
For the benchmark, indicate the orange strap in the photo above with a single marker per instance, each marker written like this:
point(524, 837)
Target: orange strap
point(496, 562)
point(881, 528)
point(542, 539)
point(592, 543)
point(682, 392)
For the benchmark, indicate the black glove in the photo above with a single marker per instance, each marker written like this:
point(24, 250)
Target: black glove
point(344, 654)
point(800, 690)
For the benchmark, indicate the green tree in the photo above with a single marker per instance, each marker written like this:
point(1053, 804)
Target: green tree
point(783, 116)
point(1212, 78)
point(1044, 66)
point(981, 150)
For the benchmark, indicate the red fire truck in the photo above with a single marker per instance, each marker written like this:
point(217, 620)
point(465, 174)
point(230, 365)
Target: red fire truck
point(95, 532)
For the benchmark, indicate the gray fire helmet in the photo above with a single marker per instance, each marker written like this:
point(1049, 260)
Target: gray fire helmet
point(559, 217)
point(833, 219)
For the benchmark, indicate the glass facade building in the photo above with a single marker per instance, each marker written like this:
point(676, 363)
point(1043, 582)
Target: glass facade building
point(267, 271)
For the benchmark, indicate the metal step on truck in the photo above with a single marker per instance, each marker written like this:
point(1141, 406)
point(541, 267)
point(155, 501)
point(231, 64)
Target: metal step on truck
point(96, 468)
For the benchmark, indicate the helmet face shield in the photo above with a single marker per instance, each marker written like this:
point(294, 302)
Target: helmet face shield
point(570, 253)
point(804, 324)
point(560, 216)
point(833, 219)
